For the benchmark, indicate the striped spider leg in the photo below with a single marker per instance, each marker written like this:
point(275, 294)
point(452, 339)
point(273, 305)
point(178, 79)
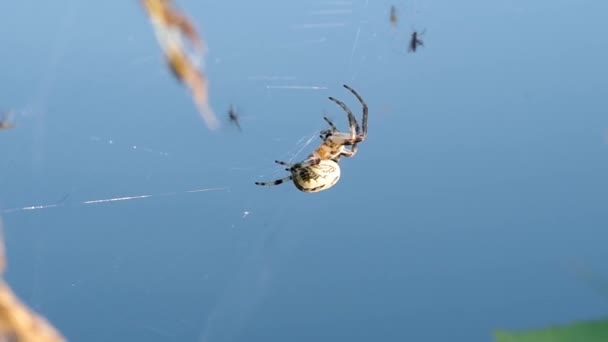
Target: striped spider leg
point(333, 137)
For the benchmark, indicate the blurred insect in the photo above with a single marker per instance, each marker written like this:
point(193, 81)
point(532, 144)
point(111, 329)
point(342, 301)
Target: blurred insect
point(415, 41)
point(171, 27)
point(320, 170)
point(234, 117)
point(6, 121)
point(19, 323)
point(393, 16)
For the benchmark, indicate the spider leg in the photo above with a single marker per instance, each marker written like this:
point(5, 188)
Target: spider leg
point(365, 110)
point(353, 150)
point(352, 121)
point(349, 152)
point(306, 163)
point(326, 133)
point(283, 163)
point(346, 153)
point(276, 182)
point(331, 124)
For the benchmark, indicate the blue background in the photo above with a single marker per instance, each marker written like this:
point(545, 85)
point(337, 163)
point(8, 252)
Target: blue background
point(481, 186)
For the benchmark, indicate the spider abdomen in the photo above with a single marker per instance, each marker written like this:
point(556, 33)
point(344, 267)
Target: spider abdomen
point(318, 177)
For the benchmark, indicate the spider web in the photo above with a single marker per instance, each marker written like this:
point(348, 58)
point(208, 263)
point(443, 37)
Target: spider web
point(252, 280)
point(301, 148)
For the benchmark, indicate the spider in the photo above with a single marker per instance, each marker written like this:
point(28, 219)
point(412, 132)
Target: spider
point(320, 170)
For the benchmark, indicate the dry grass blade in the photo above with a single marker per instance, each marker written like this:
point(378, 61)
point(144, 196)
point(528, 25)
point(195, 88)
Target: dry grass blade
point(18, 323)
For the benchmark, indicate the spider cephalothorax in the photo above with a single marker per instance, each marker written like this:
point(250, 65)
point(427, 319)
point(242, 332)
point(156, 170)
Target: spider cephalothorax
point(320, 170)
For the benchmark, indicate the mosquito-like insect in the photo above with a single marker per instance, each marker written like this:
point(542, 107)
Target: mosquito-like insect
point(415, 41)
point(233, 116)
point(393, 18)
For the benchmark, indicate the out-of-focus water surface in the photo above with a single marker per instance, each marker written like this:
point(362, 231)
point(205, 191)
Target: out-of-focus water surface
point(482, 181)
